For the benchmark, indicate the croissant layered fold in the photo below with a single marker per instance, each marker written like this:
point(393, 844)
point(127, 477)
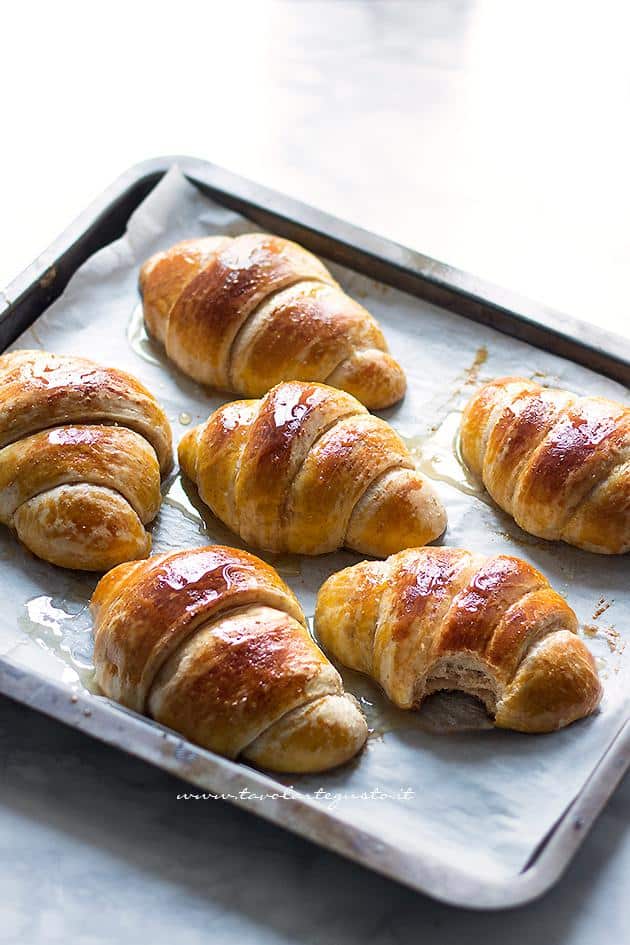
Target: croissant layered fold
point(558, 463)
point(82, 450)
point(213, 644)
point(432, 619)
point(308, 470)
point(245, 313)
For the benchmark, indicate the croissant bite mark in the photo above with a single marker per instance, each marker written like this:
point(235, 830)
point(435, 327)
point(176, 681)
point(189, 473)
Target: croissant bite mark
point(308, 470)
point(212, 643)
point(431, 619)
point(248, 312)
point(82, 449)
point(558, 463)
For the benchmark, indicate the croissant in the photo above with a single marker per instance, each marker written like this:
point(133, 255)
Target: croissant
point(430, 619)
point(558, 463)
point(82, 448)
point(212, 643)
point(307, 469)
point(245, 313)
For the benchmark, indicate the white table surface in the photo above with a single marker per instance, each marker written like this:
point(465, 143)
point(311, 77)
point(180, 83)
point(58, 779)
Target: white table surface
point(491, 135)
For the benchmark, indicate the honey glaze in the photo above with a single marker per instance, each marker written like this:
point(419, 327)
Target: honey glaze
point(64, 629)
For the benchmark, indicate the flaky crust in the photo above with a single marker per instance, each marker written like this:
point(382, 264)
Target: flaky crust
point(558, 463)
point(245, 313)
point(430, 619)
point(308, 470)
point(82, 448)
point(213, 644)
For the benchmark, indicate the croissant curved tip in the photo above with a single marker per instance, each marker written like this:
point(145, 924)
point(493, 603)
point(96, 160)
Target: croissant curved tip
point(556, 684)
point(373, 376)
point(81, 526)
point(322, 735)
point(400, 510)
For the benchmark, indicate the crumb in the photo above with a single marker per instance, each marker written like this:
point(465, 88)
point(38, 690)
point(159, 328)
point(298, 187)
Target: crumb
point(616, 643)
point(602, 607)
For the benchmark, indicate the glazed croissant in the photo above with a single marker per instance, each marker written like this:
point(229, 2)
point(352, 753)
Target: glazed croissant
point(212, 643)
point(558, 463)
point(308, 470)
point(245, 313)
point(431, 619)
point(82, 448)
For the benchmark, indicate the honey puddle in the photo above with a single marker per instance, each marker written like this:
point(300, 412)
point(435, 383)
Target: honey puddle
point(438, 456)
point(183, 497)
point(180, 497)
point(289, 565)
point(63, 628)
point(141, 343)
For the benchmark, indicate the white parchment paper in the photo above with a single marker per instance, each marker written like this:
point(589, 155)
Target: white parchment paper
point(481, 799)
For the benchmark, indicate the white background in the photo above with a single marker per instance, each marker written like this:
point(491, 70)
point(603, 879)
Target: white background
point(491, 134)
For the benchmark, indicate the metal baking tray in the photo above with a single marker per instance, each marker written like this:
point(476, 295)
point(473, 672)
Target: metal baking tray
point(42, 282)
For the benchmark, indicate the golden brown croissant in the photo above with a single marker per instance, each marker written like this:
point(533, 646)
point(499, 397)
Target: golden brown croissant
point(307, 469)
point(245, 313)
point(558, 463)
point(431, 619)
point(81, 452)
point(212, 643)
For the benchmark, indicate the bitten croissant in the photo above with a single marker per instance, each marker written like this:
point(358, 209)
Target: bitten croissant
point(82, 448)
point(431, 619)
point(212, 643)
point(308, 470)
point(245, 313)
point(558, 463)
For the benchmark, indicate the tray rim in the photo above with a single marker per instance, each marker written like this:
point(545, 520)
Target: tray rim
point(124, 729)
point(447, 286)
point(30, 293)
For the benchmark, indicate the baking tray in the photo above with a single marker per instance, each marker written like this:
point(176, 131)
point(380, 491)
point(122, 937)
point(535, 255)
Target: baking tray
point(31, 293)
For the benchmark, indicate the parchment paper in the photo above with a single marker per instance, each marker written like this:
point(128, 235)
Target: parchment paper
point(482, 799)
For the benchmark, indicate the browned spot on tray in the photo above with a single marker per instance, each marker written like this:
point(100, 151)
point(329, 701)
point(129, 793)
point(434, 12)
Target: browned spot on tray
point(48, 278)
point(472, 372)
